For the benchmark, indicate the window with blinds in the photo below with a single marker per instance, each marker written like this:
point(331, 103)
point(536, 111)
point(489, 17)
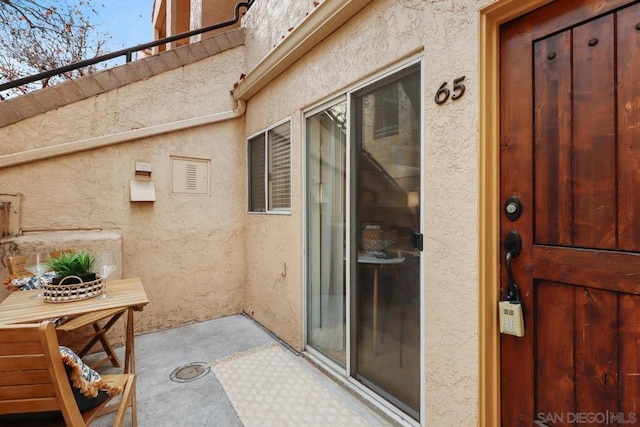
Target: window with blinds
point(270, 170)
point(280, 167)
point(257, 160)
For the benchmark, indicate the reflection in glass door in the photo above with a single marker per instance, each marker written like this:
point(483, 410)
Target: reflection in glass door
point(376, 271)
point(385, 286)
point(326, 140)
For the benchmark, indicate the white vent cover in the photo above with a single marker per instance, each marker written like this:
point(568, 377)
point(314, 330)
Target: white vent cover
point(190, 176)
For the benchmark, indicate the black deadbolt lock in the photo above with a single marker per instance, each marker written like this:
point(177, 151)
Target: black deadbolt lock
point(513, 208)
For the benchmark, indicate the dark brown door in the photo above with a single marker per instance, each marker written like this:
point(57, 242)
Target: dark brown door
point(570, 150)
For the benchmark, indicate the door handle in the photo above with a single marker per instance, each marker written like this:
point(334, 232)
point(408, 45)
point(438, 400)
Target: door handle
point(513, 247)
point(510, 310)
point(418, 241)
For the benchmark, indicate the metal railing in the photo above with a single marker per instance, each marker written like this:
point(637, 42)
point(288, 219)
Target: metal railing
point(127, 53)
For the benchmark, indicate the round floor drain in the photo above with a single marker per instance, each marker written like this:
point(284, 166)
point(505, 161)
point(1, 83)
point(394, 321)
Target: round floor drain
point(191, 372)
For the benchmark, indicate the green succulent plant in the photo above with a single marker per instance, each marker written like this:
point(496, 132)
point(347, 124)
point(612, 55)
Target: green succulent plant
point(73, 264)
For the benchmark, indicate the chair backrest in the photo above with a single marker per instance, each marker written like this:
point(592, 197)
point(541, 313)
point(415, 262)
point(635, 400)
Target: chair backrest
point(32, 373)
point(16, 263)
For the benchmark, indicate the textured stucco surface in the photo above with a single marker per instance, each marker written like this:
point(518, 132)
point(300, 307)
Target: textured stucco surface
point(269, 23)
point(188, 249)
point(274, 283)
point(93, 85)
point(377, 38)
point(205, 85)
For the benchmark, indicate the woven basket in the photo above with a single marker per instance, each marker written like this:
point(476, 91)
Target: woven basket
point(372, 238)
point(72, 292)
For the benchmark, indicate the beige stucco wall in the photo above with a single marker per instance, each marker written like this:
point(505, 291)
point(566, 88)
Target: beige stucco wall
point(188, 250)
point(445, 34)
point(269, 22)
point(274, 285)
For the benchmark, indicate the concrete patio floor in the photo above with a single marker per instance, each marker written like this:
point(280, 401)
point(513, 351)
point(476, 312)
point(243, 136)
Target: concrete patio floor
point(203, 401)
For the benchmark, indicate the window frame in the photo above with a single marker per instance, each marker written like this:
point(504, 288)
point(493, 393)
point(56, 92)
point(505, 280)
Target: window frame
point(264, 134)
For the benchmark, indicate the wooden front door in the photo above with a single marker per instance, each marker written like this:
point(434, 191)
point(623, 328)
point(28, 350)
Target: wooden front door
point(570, 151)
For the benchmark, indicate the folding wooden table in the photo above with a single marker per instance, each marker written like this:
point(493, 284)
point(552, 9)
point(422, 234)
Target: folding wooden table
point(23, 307)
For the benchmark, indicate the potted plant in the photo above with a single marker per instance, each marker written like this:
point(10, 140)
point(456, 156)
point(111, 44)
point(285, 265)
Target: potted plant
point(80, 265)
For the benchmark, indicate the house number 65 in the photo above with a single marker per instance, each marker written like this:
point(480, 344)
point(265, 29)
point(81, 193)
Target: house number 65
point(443, 93)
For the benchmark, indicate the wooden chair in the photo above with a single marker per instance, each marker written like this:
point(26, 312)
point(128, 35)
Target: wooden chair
point(17, 270)
point(33, 380)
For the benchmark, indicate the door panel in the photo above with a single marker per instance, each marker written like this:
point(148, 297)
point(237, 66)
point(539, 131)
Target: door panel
point(553, 188)
point(594, 177)
point(570, 135)
point(596, 354)
point(586, 356)
point(629, 309)
point(575, 190)
point(628, 119)
point(555, 305)
point(386, 319)
point(326, 225)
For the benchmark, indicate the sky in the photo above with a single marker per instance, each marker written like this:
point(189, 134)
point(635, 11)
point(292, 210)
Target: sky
point(128, 22)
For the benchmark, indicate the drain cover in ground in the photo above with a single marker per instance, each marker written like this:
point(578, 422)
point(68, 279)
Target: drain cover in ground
point(191, 372)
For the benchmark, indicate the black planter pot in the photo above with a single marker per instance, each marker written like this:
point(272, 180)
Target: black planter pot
point(72, 280)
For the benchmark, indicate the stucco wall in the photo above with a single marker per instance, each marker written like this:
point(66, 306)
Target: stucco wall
point(269, 23)
point(188, 250)
point(446, 34)
point(274, 285)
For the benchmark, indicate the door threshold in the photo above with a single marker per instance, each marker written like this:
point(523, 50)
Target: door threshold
point(373, 401)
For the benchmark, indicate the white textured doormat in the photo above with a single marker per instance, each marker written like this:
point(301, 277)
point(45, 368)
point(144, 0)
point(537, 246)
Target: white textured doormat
point(268, 386)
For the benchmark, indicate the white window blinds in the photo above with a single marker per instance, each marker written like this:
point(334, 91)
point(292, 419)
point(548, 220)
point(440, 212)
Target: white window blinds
point(257, 161)
point(270, 170)
point(280, 167)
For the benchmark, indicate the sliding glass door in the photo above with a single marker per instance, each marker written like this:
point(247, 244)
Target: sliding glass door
point(385, 285)
point(363, 236)
point(326, 207)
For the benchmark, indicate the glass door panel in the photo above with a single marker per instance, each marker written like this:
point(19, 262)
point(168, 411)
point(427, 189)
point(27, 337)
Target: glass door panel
point(386, 317)
point(326, 141)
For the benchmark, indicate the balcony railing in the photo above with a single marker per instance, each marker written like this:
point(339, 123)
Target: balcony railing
point(127, 52)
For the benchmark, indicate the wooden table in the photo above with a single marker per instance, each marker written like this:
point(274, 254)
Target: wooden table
point(22, 307)
point(377, 264)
